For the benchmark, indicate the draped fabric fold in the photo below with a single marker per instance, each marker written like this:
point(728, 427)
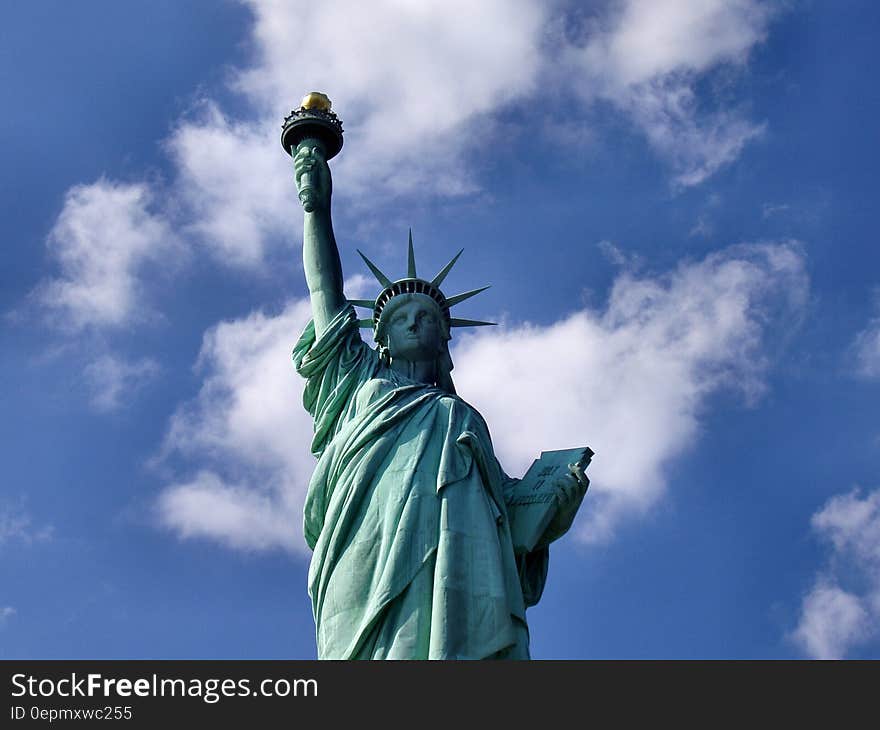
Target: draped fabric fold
point(405, 515)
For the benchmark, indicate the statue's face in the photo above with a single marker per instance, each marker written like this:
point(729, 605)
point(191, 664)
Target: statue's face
point(413, 330)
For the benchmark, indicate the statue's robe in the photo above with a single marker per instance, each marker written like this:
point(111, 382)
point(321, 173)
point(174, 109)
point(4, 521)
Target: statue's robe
point(405, 514)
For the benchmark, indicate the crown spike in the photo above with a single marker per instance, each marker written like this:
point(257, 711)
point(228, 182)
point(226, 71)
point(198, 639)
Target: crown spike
point(411, 259)
point(366, 323)
point(380, 277)
point(451, 301)
point(438, 280)
point(368, 303)
point(456, 322)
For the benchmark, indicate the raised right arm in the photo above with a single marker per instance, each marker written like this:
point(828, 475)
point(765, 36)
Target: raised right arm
point(320, 254)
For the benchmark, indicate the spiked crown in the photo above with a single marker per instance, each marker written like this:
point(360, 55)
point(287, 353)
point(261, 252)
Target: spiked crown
point(412, 284)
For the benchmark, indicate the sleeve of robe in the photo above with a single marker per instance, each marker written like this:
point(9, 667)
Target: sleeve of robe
point(334, 366)
point(532, 566)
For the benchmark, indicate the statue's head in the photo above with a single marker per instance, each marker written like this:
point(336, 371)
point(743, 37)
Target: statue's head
point(411, 319)
point(412, 327)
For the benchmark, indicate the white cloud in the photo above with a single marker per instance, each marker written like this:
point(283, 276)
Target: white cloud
point(696, 145)
point(842, 609)
point(646, 58)
point(632, 380)
point(248, 431)
point(16, 525)
point(237, 183)
point(414, 81)
point(419, 86)
point(832, 620)
point(102, 239)
point(382, 55)
point(114, 381)
point(643, 40)
point(239, 516)
point(247, 435)
point(867, 348)
point(701, 228)
point(6, 613)
point(852, 524)
point(405, 76)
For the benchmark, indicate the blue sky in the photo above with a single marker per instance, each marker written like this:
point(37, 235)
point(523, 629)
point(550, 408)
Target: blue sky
point(673, 202)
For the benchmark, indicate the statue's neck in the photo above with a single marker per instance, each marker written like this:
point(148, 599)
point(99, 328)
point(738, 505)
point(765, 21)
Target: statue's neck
point(421, 371)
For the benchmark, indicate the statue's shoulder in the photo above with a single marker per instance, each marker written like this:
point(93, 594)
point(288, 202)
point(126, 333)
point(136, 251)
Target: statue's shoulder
point(455, 402)
point(479, 423)
point(373, 390)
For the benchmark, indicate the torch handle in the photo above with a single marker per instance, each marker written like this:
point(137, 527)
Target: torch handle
point(306, 185)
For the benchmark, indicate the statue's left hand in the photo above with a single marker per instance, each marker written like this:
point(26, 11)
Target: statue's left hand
point(570, 491)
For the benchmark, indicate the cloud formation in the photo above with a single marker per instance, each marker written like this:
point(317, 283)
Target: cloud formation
point(867, 348)
point(106, 234)
point(114, 381)
point(17, 525)
point(645, 39)
point(410, 105)
point(842, 610)
point(249, 436)
point(630, 380)
point(646, 58)
point(443, 69)
point(245, 439)
point(406, 89)
point(412, 89)
point(237, 185)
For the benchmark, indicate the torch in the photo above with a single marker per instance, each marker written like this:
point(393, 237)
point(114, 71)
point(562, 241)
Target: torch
point(312, 125)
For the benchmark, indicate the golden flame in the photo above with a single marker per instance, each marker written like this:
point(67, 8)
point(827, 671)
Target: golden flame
point(316, 100)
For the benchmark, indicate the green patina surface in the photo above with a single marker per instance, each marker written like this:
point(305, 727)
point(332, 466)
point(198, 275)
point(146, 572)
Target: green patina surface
point(407, 512)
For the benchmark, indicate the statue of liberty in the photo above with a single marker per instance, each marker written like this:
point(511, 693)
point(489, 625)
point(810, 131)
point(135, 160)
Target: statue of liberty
point(408, 511)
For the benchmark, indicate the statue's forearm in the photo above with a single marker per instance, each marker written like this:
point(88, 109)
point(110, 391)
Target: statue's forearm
point(322, 268)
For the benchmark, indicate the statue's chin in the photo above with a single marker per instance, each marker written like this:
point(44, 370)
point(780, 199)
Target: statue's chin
point(414, 367)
